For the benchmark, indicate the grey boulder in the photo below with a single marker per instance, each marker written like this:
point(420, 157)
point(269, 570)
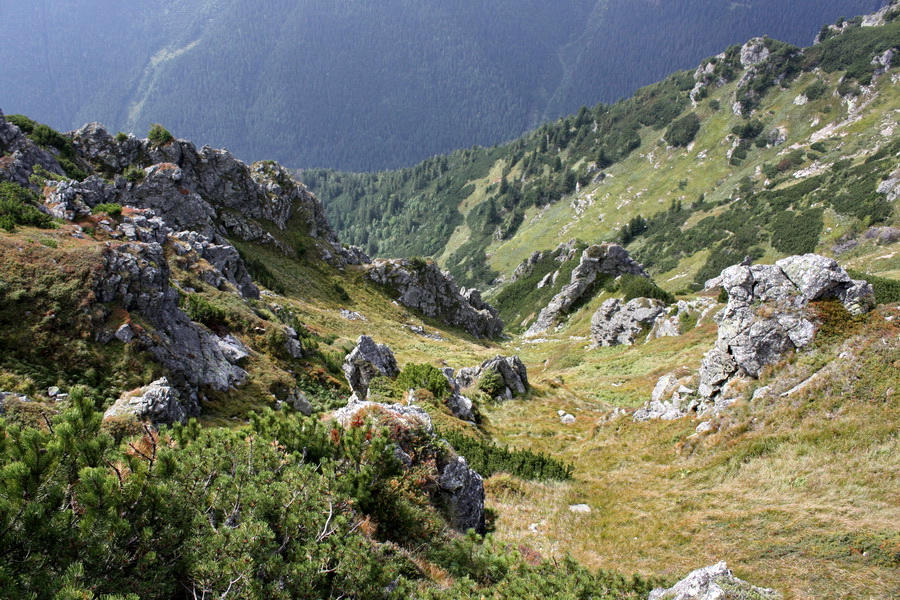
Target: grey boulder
point(367, 361)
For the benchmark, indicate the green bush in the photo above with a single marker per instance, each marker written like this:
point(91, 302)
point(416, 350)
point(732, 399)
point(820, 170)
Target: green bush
point(133, 173)
point(159, 135)
point(17, 207)
point(682, 131)
point(111, 209)
point(815, 90)
point(491, 383)
point(635, 286)
point(424, 376)
point(488, 458)
point(202, 310)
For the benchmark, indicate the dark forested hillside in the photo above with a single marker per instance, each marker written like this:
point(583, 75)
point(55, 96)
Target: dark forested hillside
point(362, 85)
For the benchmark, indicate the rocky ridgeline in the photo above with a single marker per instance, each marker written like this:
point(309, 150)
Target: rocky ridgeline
point(596, 260)
point(715, 582)
point(767, 316)
point(421, 285)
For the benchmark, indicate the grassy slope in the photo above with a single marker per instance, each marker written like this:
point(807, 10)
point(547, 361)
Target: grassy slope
point(646, 182)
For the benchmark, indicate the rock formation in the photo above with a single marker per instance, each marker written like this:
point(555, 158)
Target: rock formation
point(715, 582)
point(136, 275)
point(460, 488)
point(422, 286)
point(616, 323)
point(513, 376)
point(681, 316)
point(158, 403)
point(766, 317)
point(365, 362)
point(596, 260)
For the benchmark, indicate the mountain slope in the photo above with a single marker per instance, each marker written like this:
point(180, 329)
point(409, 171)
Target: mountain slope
point(677, 169)
point(362, 85)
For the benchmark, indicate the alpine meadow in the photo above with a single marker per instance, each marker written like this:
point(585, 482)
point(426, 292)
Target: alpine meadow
point(587, 300)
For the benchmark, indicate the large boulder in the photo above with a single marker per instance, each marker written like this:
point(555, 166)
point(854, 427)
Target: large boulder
point(596, 260)
point(422, 286)
point(715, 582)
point(365, 362)
point(767, 313)
point(617, 323)
point(460, 489)
point(509, 371)
point(159, 403)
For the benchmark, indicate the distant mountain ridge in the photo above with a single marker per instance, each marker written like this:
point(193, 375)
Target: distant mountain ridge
point(362, 85)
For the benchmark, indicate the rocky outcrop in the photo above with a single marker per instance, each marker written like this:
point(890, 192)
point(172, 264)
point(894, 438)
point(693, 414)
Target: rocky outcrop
point(513, 377)
point(617, 323)
point(422, 286)
point(227, 265)
point(754, 52)
point(716, 582)
point(766, 317)
point(671, 399)
point(159, 403)
point(461, 406)
point(365, 362)
point(19, 156)
point(460, 489)
point(596, 260)
point(136, 275)
point(681, 317)
point(463, 491)
point(208, 191)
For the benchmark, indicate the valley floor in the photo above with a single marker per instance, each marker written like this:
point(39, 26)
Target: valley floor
point(798, 493)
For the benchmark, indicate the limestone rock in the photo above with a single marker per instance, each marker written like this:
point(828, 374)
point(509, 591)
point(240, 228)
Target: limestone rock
point(616, 323)
point(716, 582)
point(512, 372)
point(424, 287)
point(607, 259)
point(463, 490)
point(227, 264)
point(21, 155)
point(754, 52)
point(159, 403)
point(367, 361)
point(137, 276)
point(680, 316)
point(766, 315)
point(410, 416)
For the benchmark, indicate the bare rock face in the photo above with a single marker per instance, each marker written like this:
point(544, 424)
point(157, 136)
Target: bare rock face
point(365, 362)
point(136, 275)
point(460, 488)
point(463, 490)
point(766, 315)
point(616, 323)
point(225, 260)
point(608, 259)
point(159, 403)
point(512, 373)
point(754, 52)
point(715, 582)
point(424, 287)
